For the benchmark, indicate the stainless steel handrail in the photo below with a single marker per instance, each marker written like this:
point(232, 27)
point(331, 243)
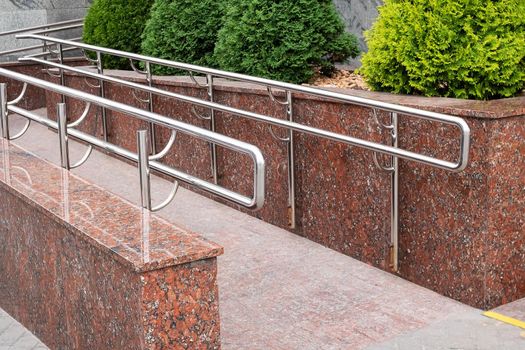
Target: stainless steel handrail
point(59, 29)
point(31, 48)
point(47, 53)
point(42, 29)
point(281, 85)
point(372, 146)
point(289, 125)
point(255, 202)
point(43, 26)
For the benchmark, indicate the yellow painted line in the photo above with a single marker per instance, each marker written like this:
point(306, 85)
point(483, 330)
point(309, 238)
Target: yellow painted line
point(506, 319)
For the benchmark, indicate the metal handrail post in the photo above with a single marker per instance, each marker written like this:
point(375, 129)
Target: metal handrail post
point(63, 136)
point(4, 111)
point(290, 148)
point(61, 71)
point(151, 126)
point(214, 170)
point(144, 168)
point(102, 93)
point(394, 205)
point(45, 48)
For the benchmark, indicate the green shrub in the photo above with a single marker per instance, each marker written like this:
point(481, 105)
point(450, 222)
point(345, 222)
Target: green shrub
point(282, 40)
point(455, 48)
point(117, 24)
point(183, 31)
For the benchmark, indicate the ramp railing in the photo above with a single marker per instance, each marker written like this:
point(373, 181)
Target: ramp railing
point(44, 29)
point(391, 149)
point(145, 161)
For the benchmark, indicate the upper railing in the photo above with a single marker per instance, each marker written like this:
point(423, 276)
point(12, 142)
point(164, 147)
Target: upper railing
point(43, 29)
point(459, 165)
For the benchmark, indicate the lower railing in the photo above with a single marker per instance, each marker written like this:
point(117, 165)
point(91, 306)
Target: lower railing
point(144, 160)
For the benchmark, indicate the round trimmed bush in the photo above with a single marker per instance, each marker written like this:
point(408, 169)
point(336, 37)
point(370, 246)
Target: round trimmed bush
point(116, 24)
point(283, 40)
point(183, 31)
point(454, 48)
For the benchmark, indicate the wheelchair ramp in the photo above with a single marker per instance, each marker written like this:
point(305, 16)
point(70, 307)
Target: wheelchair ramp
point(281, 291)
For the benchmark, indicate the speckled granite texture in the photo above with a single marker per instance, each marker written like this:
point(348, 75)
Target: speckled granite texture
point(99, 271)
point(461, 235)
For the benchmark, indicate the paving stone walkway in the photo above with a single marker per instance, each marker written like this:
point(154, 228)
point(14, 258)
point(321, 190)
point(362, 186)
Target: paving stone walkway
point(13, 336)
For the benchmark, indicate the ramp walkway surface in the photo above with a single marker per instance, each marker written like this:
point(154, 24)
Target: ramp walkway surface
point(281, 291)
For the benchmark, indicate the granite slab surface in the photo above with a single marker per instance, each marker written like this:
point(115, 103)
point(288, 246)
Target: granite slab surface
point(117, 227)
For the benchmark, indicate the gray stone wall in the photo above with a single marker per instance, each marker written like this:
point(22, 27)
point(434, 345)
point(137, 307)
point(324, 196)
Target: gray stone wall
point(359, 15)
point(15, 14)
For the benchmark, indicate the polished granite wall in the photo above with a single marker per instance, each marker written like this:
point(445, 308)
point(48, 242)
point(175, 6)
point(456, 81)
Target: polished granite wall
point(83, 269)
point(460, 234)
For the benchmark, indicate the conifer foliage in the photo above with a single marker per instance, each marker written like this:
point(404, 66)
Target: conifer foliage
point(116, 24)
point(183, 31)
point(456, 48)
point(282, 39)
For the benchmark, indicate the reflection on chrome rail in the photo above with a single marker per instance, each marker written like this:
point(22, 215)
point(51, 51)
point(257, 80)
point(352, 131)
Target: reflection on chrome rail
point(72, 211)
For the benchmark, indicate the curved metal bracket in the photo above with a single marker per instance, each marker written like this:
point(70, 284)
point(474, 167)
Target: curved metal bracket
point(392, 129)
point(196, 114)
point(82, 117)
point(389, 169)
point(48, 71)
point(83, 159)
point(196, 82)
point(166, 149)
point(91, 85)
point(56, 53)
point(169, 199)
point(135, 69)
point(278, 138)
point(20, 97)
point(376, 118)
point(22, 132)
point(138, 98)
point(275, 99)
point(87, 57)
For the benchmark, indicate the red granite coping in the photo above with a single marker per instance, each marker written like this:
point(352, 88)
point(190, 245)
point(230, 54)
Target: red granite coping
point(130, 234)
point(493, 109)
